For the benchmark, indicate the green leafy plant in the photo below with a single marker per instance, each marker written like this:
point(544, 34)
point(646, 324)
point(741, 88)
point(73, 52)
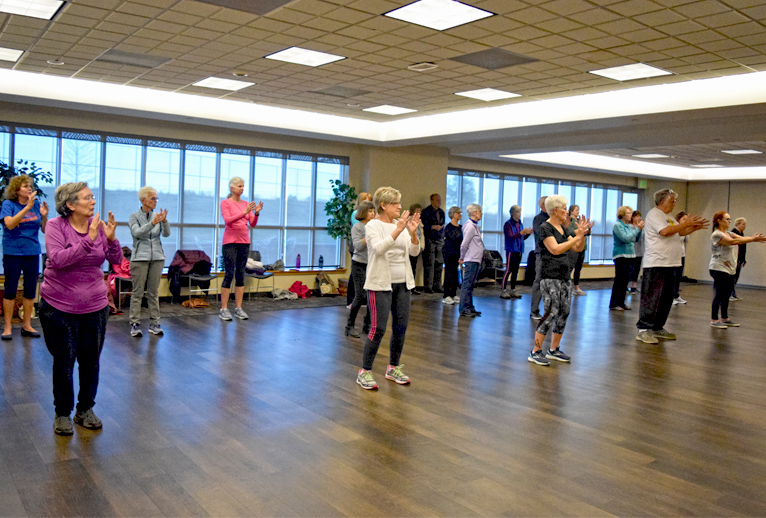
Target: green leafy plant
point(38, 176)
point(339, 210)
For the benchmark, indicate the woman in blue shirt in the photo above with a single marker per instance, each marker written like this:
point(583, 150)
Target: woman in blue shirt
point(23, 217)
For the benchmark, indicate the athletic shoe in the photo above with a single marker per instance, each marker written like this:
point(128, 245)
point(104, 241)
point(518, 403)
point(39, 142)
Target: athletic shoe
point(155, 329)
point(578, 291)
point(718, 324)
point(428, 290)
point(135, 330)
point(734, 298)
point(505, 295)
point(224, 314)
point(447, 301)
point(476, 312)
point(556, 354)
point(617, 308)
point(396, 374)
point(729, 323)
point(678, 300)
point(240, 314)
point(514, 294)
point(645, 335)
point(469, 314)
point(632, 290)
point(62, 425)
point(538, 358)
point(353, 333)
point(664, 334)
point(535, 316)
point(88, 420)
point(366, 381)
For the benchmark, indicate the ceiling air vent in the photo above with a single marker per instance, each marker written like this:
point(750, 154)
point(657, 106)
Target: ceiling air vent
point(493, 59)
point(423, 67)
point(259, 7)
point(134, 60)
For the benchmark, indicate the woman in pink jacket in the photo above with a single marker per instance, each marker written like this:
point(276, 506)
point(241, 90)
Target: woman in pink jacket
point(237, 213)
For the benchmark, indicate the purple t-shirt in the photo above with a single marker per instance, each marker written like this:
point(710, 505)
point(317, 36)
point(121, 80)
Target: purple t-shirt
point(73, 278)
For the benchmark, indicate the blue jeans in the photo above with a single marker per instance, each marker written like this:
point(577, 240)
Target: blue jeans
point(471, 272)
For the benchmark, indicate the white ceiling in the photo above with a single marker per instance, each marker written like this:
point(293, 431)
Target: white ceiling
point(698, 41)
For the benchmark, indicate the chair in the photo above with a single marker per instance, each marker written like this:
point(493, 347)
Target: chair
point(124, 286)
point(256, 255)
point(190, 268)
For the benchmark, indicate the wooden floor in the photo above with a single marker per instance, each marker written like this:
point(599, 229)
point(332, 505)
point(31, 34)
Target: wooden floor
point(263, 418)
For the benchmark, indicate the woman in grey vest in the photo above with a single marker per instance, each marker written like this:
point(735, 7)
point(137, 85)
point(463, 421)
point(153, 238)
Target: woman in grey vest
point(148, 259)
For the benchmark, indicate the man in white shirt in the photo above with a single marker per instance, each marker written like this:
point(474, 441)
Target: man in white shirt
point(664, 241)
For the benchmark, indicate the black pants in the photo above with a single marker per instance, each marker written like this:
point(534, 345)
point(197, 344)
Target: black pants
point(414, 265)
point(379, 304)
point(451, 269)
point(723, 284)
point(512, 260)
point(234, 262)
point(657, 287)
point(635, 268)
point(432, 264)
point(679, 274)
point(70, 337)
point(13, 265)
point(579, 260)
point(622, 268)
point(358, 274)
point(736, 278)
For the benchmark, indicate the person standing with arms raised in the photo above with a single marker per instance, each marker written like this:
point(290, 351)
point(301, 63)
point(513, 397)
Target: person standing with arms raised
point(433, 225)
point(663, 243)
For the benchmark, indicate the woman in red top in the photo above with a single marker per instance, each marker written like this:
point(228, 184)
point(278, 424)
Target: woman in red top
point(237, 213)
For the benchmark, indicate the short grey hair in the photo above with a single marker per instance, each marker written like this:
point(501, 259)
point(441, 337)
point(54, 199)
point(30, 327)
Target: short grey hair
point(662, 194)
point(234, 181)
point(740, 220)
point(145, 191)
point(452, 211)
point(68, 193)
point(387, 195)
point(474, 207)
point(554, 202)
point(514, 208)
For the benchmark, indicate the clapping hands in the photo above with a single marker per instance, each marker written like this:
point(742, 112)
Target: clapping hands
point(109, 226)
point(583, 226)
point(412, 224)
point(160, 216)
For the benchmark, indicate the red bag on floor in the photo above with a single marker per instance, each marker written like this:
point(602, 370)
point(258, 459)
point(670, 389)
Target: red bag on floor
point(300, 289)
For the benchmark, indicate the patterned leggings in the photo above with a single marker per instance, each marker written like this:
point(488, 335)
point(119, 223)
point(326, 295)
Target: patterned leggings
point(557, 297)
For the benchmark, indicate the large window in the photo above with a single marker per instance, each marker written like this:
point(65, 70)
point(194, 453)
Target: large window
point(498, 193)
point(191, 179)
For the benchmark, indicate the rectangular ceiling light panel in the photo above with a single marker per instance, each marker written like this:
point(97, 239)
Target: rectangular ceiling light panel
point(488, 94)
point(387, 109)
point(43, 9)
point(742, 152)
point(439, 15)
point(223, 84)
point(309, 58)
point(651, 155)
point(630, 72)
point(10, 54)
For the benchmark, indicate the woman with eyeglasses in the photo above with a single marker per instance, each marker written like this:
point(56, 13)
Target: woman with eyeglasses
point(23, 217)
point(147, 260)
point(723, 266)
point(73, 300)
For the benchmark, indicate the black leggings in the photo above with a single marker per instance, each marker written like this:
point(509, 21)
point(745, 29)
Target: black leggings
point(513, 260)
point(14, 265)
point(723, 284)
point(358, 274)
point(578, 267)
point(234, 262)
point(379, 304)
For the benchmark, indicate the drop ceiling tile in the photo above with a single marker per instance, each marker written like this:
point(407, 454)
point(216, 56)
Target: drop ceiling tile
point(663, 44)
point(696, 38)
point(684, 51)
point(218, 25)
point(16, 42)
point(594, 16)
point(165, 26)
point(62, 28)
point(532, 15)
point(753, 39)
point(174, 48)
point(559, 25)
point(29, 32)
point(700, 59)
point(607, 43)
point(737, 53)
point(526, 33)
point(619, 27)
point(678, 28)
point(566, 7)
point(723, 19)
point(757, 12)
point(127, 19)
point(105, 4)
point(317, 8)
point(633, 8)
point(496, 40)
point(105, 36)
point(742, 29)
point(643, 35)
point(552, 41)
point(348, 15)
point(201, 34)
point(720, 45)
point(325, 24)
point(702, 8)
point(287, 15)
point(84, 11)
point(270, 25)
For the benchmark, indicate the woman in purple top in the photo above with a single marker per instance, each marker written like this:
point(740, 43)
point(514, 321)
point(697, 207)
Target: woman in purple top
point(73, 300)
point(23, 217)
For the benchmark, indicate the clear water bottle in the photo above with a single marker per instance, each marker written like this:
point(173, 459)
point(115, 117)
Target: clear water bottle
point(321, 262)
point(298, 262)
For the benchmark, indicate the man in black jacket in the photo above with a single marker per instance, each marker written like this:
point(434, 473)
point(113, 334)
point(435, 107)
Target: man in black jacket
point(541, 218)
point(739, 229)
point(433, 225)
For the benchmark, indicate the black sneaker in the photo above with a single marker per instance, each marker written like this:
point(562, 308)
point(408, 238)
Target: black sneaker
point(535, 316)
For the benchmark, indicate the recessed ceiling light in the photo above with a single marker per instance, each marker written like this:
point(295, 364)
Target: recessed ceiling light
point(488, 94)
point(630, 72)
point(55, 62)
point(223, 84)
point(10, 54)
point(706, 165)
point(387, 109)
point(438, 14)
point(651, 155)
point(742, 152)
point(422, 67)
point(239, 73)
point(299, 56)
point(44, 9)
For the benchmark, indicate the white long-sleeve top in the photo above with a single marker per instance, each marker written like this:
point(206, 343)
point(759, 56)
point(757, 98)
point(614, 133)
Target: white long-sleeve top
point(387, 258)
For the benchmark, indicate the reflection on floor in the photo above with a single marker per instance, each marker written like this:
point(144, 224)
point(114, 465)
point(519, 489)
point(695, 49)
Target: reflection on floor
point(263, 418)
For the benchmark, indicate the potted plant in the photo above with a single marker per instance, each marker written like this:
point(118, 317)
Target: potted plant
point(38, 176)
point(339, 210)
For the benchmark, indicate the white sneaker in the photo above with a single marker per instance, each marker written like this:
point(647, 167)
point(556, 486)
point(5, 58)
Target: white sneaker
point(578, 291)
point(448, 301)
point(678, 300)
point(224, 314)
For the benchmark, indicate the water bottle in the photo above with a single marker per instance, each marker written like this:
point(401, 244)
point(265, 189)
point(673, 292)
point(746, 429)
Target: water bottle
point(321, 262)
point(298, 262)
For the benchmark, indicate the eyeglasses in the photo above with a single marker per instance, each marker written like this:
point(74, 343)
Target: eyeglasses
point(154, 198)
point(88, 198)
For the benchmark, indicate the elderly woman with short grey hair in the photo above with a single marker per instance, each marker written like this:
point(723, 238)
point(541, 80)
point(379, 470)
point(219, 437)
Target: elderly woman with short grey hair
point(147, 259)
point(471, 256)
point(73, 300)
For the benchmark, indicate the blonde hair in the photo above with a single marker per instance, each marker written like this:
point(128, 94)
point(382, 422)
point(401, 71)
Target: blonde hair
point(387, 195)
point(554, 202)
point(144, 192)
point(622, 211)
point(363, 196)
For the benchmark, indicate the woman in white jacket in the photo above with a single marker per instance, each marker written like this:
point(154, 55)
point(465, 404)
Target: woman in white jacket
point(389, 282)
